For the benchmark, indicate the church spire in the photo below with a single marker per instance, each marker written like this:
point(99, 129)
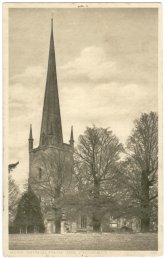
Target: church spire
point(51, 128)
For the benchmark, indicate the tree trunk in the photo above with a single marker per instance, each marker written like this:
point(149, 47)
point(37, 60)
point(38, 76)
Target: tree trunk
point(96, 213)
point(58, 213)
point(145, 218)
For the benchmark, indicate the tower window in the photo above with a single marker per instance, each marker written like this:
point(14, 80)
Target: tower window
point(83, 221)
point(40, 173)
point(43, 139)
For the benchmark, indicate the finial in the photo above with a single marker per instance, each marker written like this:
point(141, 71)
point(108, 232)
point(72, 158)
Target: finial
point(30, 139)
point(30, 135)
point(71, 136)
point(52, 21)
point(71, 133)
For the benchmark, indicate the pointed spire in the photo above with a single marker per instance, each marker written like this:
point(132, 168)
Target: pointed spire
point(71, 136)
point(51, 117)
point(30, 134)
point(30, 139)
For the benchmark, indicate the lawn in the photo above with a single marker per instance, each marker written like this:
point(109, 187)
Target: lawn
point(86, 241)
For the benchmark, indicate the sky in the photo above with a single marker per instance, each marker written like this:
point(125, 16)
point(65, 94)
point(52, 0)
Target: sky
point(107, 62)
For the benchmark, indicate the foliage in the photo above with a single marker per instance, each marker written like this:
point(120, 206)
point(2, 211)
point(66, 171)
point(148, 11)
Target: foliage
point(29, 216)
point(12, 166)
point(14, 196)
point(141, 166)
point(96, 169)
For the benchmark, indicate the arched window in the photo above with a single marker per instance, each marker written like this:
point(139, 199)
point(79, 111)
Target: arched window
point(40, 173)
point(43, 139)
point(83, 221)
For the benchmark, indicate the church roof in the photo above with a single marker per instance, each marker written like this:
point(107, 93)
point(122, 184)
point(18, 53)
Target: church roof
point(51, 127)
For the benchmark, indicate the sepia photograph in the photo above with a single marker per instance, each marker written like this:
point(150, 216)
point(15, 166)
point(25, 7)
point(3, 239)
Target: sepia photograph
point(82, 129)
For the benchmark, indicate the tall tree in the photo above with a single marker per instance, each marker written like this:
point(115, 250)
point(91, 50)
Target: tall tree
point(96, 160)
point(142, 164)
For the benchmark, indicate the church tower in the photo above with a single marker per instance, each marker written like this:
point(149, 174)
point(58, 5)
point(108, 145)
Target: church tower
point(51, 163)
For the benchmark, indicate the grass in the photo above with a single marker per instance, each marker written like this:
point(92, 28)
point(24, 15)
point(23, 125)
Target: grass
point(80, 241)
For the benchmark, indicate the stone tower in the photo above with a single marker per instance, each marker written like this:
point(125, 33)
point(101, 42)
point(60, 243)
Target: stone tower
point(51, 163)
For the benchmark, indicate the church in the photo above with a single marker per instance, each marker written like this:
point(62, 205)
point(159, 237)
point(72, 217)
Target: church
point(51, 163)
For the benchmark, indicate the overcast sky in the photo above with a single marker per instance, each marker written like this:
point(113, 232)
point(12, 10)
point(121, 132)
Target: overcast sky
point(106, 66)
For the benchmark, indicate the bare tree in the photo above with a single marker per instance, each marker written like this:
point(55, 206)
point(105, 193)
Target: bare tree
point(14, 193)
point(142, 164)
point(96, 159)
point(14, 196)
point(52, 182)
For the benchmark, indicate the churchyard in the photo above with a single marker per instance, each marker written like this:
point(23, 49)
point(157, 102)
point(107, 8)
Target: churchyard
point(84, 241)
point(95, 181)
